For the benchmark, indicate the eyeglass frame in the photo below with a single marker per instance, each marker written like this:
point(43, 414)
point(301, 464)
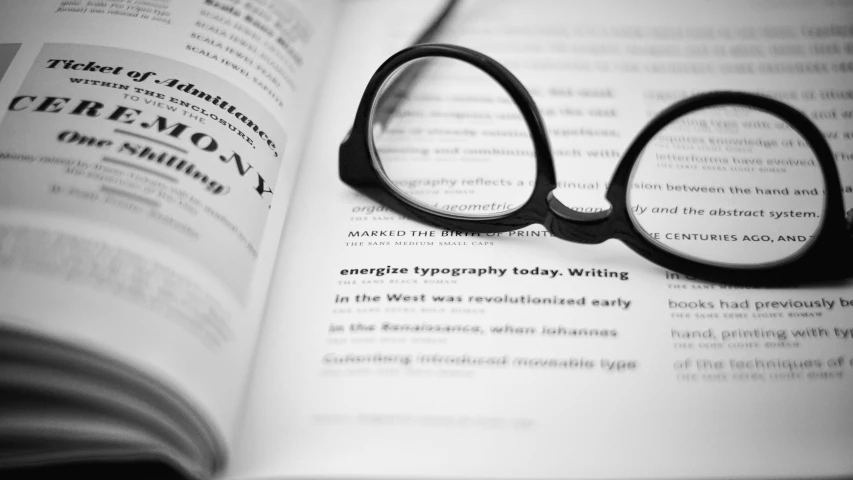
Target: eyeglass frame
point(828, 256)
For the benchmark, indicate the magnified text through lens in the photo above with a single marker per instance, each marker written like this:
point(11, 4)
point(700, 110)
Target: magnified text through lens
point(728, 185)
point(450, 139)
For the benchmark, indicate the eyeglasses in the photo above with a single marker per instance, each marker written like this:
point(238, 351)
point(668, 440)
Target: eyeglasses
point(729, 187)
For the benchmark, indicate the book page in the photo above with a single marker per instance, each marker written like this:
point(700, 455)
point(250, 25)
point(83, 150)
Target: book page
point(392, 349)
point(147, 155)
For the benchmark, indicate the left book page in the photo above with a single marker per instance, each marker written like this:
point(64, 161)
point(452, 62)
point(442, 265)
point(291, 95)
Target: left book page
point(147, 153)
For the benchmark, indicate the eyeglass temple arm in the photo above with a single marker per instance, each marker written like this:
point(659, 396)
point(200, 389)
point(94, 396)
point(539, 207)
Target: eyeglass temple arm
point(393, 93)
point(434, 28)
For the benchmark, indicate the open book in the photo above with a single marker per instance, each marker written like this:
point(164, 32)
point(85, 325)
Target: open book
point(183, 277)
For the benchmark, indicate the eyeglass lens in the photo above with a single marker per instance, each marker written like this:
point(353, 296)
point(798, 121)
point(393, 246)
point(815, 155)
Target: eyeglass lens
point(452, 140)
point(728, 185)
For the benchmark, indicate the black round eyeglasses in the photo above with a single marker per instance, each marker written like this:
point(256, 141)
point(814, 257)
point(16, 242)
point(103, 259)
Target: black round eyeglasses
point(724, 186)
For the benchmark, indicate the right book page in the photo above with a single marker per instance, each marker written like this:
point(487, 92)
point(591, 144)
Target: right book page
point(393, 349)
